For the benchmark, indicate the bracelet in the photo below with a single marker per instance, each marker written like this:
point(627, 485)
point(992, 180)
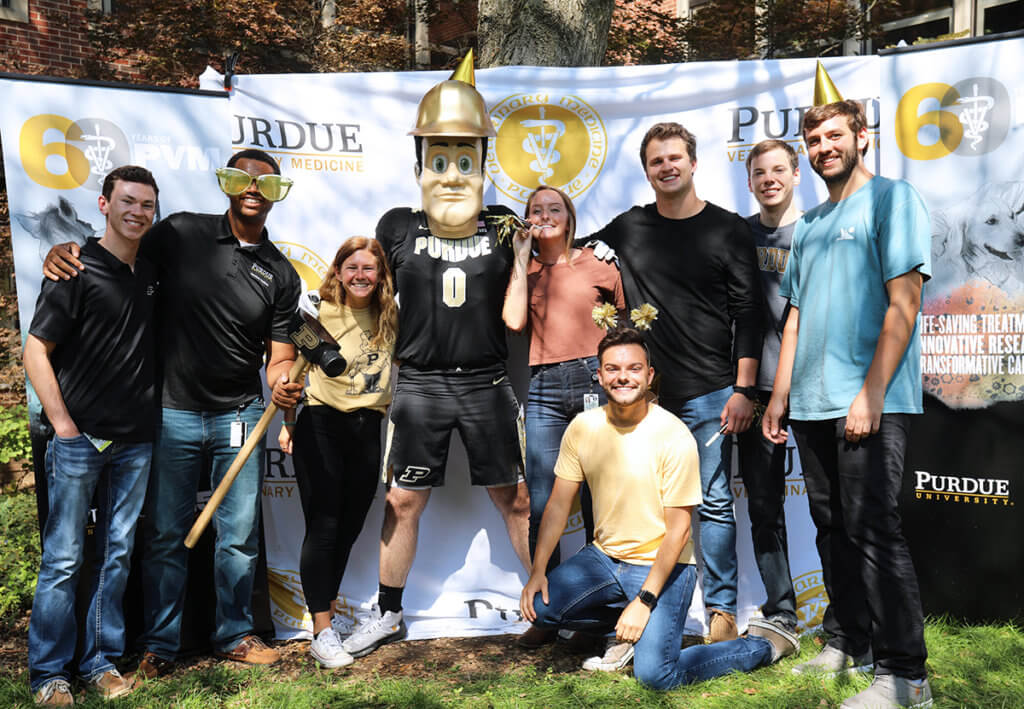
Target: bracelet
point(287, 423)
point(749, 392)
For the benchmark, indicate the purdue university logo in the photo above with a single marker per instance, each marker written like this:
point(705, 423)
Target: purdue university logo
point(546, 139)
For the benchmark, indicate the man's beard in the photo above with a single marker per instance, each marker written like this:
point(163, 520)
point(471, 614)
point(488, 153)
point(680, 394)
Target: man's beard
point(848, 161)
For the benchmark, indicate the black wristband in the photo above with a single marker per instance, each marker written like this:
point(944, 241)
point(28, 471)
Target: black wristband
point(647, 598)
point(749, 392)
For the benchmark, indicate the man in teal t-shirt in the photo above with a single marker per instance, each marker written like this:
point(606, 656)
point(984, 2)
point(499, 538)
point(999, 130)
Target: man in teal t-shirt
point(849, 367)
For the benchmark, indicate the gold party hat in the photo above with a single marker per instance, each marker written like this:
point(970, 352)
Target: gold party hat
point(464, 71)
point(825, 92)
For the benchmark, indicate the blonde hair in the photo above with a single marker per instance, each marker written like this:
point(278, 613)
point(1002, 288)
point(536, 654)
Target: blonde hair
point(383, 301)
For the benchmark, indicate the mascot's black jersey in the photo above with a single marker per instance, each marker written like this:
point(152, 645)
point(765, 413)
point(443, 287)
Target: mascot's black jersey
point(451, 291)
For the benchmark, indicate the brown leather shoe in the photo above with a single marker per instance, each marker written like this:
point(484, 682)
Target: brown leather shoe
point(112, 685)
point(252, 651)
point(152, 666)
point(535, 637)
point(722, 626)
point(55, 693)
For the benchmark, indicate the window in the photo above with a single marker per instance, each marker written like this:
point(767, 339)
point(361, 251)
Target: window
point(920, 27)
point(14, 10)
point(1000, 16)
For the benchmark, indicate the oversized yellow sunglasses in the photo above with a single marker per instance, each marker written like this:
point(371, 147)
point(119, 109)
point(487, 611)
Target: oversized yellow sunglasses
point(234, 182)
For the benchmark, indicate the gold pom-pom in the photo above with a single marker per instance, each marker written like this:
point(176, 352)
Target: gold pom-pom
point(643, 316)
point(506, 225)
point(605, 316)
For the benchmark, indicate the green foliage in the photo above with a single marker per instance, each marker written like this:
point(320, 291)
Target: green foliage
point(15, 443)
point(19, 553)
point(173, 43)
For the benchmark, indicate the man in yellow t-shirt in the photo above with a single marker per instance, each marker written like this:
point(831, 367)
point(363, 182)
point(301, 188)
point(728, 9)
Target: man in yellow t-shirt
point(641, 464)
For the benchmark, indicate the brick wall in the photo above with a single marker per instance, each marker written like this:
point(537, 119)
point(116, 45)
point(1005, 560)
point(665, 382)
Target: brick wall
point(54, 41)
point(454, 23)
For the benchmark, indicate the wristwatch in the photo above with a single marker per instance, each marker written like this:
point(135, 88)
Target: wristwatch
point(749, 392)
point(647, 598)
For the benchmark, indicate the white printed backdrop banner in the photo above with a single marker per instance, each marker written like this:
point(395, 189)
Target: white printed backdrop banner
point(343, 139)
point(60, 140)
point(954, 129)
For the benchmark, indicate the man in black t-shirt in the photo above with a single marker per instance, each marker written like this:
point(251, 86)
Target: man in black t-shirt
point(695, 263)
point(90, 355)
point(772, 173)
point(226, 298)
point(451, 263)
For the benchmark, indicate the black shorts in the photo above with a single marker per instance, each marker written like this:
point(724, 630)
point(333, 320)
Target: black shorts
point(428, 404)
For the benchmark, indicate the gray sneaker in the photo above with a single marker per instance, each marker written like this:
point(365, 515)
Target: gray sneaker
point(891, 692)
point(616, 656)
point(784, 643)
point(375, 631)
point(831, 661)
point(327, 650)
point(343, 625)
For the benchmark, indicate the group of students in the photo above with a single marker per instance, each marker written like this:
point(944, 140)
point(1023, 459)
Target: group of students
point(690, 272)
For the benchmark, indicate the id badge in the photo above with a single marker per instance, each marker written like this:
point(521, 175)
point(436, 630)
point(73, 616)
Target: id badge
point(590, 401)
point(238, 431)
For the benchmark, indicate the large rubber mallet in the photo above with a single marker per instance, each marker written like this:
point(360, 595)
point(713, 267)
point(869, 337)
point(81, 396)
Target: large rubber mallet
point(315, 346)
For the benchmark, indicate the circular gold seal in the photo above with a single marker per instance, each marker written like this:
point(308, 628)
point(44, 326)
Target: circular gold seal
point(811, 599)
point(307, 263)
point(546, 139)
point(288, 605)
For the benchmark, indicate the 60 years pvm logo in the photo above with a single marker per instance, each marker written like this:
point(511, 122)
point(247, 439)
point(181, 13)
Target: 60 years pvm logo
point(969, 118)
point(546, 139)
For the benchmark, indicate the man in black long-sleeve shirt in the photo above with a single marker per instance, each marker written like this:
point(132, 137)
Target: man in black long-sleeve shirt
point(696, 263)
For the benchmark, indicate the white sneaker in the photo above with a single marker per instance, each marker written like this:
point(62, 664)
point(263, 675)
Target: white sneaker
point(616, 656)
point(327, 650)
point(375, 631)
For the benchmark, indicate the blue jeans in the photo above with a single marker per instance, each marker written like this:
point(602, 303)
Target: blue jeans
point(187, 441)
point(76, 472)
point(582, 589)
point(702, 415)
point(556, 396)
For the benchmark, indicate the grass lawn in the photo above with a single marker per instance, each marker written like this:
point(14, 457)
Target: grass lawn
point(969, 666)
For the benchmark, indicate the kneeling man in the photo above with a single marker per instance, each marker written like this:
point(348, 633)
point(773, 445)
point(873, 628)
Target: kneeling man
point(641, 464)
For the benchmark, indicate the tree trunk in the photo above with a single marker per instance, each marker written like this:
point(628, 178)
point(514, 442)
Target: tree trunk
point(543, 32)
point(422, 45)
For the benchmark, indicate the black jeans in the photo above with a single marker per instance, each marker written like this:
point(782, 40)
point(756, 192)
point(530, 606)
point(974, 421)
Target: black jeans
point(853, 491)
point(337, 461)
point(763, 466)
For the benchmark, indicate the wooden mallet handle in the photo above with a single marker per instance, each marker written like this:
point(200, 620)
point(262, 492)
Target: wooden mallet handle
point(298, 370)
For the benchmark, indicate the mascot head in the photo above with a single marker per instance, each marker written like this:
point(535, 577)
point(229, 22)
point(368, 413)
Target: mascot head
point(452, 128)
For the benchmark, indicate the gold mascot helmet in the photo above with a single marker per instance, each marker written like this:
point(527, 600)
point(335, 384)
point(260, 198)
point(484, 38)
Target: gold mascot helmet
point(454, 107)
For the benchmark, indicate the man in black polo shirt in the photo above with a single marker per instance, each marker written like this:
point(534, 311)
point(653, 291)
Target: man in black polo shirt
point(227, 295)
point(90, 357)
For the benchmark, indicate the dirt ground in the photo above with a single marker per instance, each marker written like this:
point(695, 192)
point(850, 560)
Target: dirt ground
point(476, 656)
